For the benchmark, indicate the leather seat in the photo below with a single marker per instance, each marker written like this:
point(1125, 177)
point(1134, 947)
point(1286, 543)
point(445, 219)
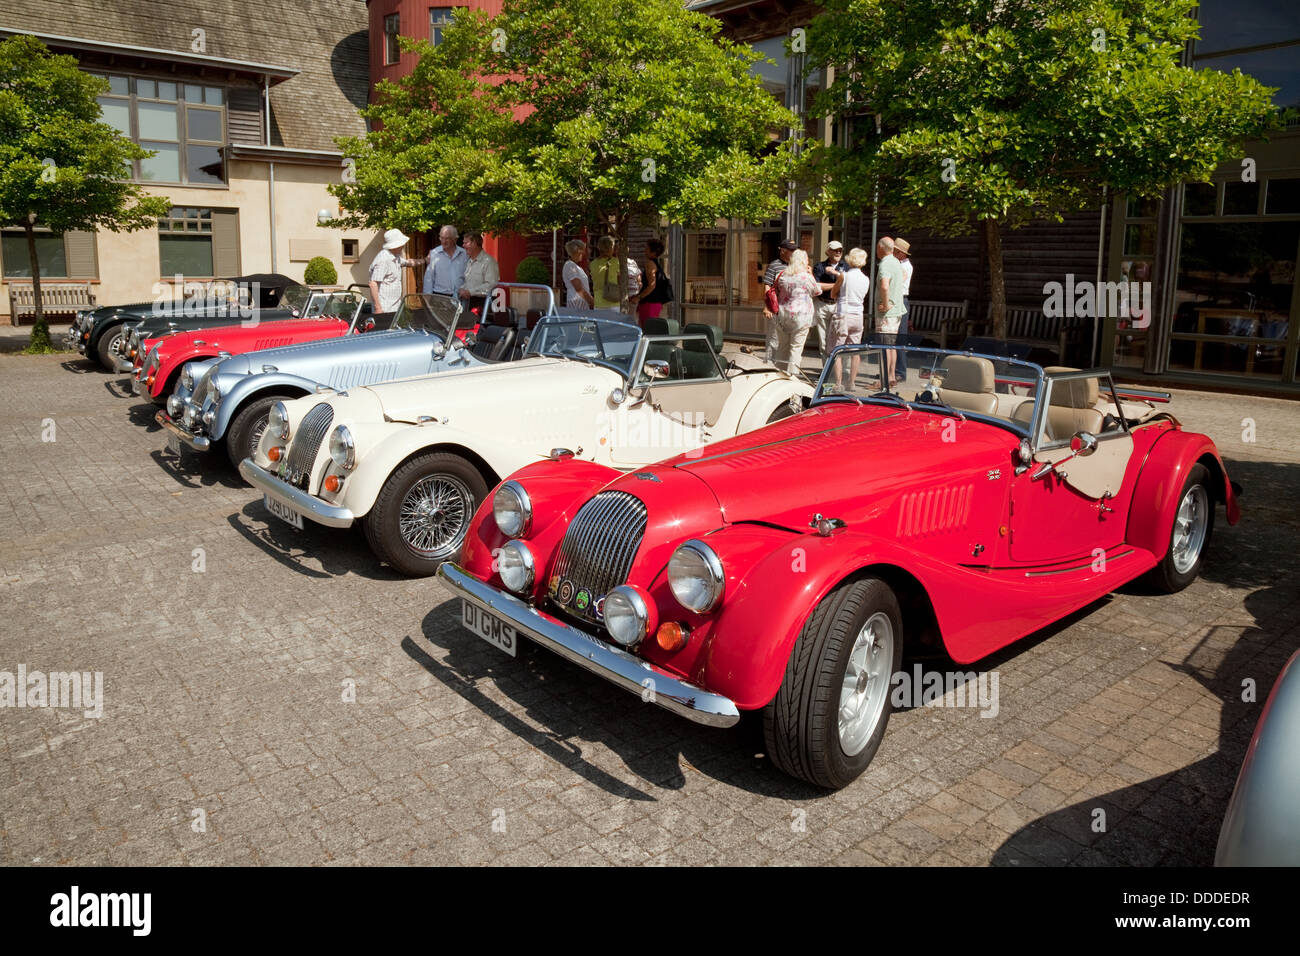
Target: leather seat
point(693, 358)
point(968, 384)
point(1073, 407)
point(661, 326)
point(494, 342)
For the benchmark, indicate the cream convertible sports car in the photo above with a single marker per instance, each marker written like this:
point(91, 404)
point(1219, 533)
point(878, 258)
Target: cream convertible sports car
point(413, 459)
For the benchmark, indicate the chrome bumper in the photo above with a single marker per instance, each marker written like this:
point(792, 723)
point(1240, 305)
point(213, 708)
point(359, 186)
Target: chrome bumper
point(136, 386)
point(123, 364)
point(306, 505)
point(601, 658)
point(197, 442)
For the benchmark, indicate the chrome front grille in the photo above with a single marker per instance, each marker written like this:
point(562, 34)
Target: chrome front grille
point(597, 552)
point(306, 443)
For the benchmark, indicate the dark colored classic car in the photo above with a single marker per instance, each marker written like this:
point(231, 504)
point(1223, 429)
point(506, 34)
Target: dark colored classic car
point(100, 333)
point(782, 571)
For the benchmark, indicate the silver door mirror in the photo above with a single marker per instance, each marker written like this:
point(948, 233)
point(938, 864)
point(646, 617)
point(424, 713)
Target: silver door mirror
point(439, 350)
point(1083, 444)
point(655, 368)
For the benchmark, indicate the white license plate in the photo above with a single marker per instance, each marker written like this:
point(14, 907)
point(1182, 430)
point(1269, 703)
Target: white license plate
point(282, 511)
point(488, 626)
point(174, 445)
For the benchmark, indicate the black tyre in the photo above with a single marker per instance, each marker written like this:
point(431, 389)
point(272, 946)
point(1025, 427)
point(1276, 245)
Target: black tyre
point(784, 410)
point(1190, 535)
point(245, 429)
point(422, 513)
point(107, 356)
point(829, 715)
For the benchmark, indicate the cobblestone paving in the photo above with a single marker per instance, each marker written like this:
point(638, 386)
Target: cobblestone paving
point(230, 646)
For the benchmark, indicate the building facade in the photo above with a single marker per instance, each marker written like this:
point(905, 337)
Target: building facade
point(240, 103)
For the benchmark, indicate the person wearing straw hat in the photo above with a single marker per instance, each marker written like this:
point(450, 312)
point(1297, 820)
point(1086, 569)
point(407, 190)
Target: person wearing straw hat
point(386, 272)
point(903, 253)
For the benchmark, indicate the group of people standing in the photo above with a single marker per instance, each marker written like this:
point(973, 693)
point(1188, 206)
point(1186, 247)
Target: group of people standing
point(465, 271)
point(831, 296)
point(648, 286)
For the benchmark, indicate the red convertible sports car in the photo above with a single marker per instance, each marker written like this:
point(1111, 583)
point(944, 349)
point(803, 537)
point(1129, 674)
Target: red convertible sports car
point(783, 571)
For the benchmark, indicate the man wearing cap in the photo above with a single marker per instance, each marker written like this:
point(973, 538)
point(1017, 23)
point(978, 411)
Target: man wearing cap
point(386, 272)
point(826, 272)
point(903, 253)
point(774, 269)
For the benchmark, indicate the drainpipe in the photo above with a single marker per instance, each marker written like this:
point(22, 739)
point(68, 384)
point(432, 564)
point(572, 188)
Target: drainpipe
point(270, 193)
point(1093, 357)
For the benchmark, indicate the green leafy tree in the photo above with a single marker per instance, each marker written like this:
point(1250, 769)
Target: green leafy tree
point(591, 111)
point(59, 165)
point(999, 112)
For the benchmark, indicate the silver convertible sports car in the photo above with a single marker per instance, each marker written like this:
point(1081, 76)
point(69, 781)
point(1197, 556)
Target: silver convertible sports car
point(226, 401)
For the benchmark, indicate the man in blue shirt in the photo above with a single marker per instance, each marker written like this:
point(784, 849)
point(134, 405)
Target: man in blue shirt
point(445, 272)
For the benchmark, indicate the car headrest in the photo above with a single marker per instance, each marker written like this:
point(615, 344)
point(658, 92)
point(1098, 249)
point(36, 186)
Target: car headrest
point(660, 326)
point(713, 333)
point(532, 317)
point(1073, 393)
point(967, 373)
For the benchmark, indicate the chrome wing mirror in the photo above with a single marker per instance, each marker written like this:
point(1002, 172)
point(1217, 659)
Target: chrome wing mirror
point(655, 368)
point(1082, 445)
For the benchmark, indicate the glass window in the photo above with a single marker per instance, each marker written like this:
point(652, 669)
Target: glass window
point(213, 95)
point(185, 242)
point(165, 167)
point(167, 91)
point(119, 85)
point(1240, 199)
point(203, 124)
point(157, 121)
point(1233, 24)
point(203, 164)
point(1283, 197)
point(116, 113)
point(1140, 208)
point(193, 94)
point(1279, 67)
point(1139, 239)
point(392, 24)
point(438, 18)
point(146, 88)
point(1200, 199)
point(50, 253)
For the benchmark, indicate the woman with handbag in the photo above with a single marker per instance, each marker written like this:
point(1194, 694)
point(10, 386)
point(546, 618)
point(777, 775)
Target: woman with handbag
point(656, 289)
point(795, 290)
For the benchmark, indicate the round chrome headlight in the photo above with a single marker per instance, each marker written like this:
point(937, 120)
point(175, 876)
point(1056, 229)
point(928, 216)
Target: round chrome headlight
point(695, 575)
point(342, 449)
point(516, 567)
point(277, 421)
point(187, 376)
point(174, 407)
point(627, 615)
point(191, 415)
point(513, 510)
point(214, 391)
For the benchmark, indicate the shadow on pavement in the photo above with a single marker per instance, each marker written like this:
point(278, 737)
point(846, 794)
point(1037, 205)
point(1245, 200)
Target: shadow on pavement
point(339, 551)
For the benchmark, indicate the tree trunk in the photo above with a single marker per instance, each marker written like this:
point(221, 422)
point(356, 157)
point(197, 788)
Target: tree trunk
point(40, 331)
point(997, 281)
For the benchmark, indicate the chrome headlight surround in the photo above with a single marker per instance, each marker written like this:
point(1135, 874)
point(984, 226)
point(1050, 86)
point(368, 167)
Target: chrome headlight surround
point(512, 510)
point(175, 405)
point(516, 567)
point(696, 577)
point(277, 421)
point(343, 450)
point(187, 376)
point(629, 615)
point(214, 389)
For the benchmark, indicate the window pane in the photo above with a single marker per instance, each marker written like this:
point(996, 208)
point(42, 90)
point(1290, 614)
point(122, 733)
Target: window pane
point(1200, 199)
point(1283, 197)
point(165, 167)
point(1139, 208)
point(1279, 68)
point(1231, 24)
point(1240, 199)
point(213, 95)
point(1234, 280)
point(193, 94)
point(203, 165)
point(204, 124)
point(116, 113)
point(119, 85)
point(157, 121)
point(1139, 239)
point(49, 253)
point(188, 255)
point(146, 88)
point(166, 91)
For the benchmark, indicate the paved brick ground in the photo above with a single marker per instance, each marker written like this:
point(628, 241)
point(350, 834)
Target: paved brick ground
point(225, 693)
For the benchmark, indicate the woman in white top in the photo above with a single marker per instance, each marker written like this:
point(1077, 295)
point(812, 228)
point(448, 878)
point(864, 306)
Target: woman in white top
point(577, 287)
point(849, 292)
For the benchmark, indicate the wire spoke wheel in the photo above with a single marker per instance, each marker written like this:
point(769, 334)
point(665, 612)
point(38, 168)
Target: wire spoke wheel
point(434, 515)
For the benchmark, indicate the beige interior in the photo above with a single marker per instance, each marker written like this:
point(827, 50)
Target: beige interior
point(969, 385)
point(1101, 473)
point(692, 403)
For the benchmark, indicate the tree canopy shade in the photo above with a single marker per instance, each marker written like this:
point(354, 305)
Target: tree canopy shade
point(998, 112)
point(59, 165)
point(550, 114)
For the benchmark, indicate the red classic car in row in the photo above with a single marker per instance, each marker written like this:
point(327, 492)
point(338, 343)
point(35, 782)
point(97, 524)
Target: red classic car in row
point(158, 362)
point(783, 571)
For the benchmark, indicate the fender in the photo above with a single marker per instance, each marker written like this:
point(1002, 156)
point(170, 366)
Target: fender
point(557, 490)
point(1155, 499)
point(249, 387)
point(765, 400)
point(173, 363)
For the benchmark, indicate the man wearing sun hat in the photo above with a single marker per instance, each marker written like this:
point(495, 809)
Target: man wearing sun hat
point(386, 272)
point(826, 272)
point(903, 253)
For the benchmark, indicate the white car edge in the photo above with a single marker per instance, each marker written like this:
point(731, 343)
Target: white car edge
point(413, 459)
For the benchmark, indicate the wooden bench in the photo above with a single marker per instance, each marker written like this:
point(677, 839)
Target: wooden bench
point(1027, 325)
point(941, 320)
point(57, 299)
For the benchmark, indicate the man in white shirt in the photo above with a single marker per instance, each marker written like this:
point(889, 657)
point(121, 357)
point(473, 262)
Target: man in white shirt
point(903, 253)
point(445, 273)
point(481, 273)
point(386, 272)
